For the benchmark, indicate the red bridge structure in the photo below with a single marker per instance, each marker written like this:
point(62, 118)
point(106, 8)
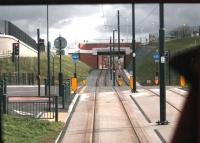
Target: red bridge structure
point(97, 55)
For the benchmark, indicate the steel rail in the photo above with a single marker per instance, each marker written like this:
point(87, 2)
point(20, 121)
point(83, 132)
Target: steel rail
point(94, 108)
point(127, 113)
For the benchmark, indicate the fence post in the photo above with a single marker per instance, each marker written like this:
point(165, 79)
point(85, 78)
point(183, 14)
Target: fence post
point(4, 96)
point(9, 78)
point(45, 87)
point(1, 125)
point(68, 91)
point(63, 95)
point(33, 78)
point(29, 78)
point(56, 108)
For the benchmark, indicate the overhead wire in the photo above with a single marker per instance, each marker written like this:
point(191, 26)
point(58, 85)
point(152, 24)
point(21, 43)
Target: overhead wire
point(139, 25)
point(104, 18)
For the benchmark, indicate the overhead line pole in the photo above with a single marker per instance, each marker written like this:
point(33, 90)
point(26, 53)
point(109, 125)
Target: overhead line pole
point(113, 54)
point(163, 120)
point(118, 26)
point(133, 49)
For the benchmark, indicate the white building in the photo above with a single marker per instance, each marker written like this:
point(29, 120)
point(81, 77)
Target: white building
point(9, 34)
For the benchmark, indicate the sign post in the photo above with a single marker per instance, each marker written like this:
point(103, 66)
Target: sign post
point(75, 57)
point(60, 43)
point(156, 57)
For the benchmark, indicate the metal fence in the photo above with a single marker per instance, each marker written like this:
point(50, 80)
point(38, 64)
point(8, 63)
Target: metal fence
point(23, 79)
point(3, 92)
point(40, 108)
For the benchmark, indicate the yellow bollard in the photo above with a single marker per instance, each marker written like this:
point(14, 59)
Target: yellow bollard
point(84, 81)
point(74, 84)
point(182, 81)
point(156, 81)
point(119, 82)
point(131, 82)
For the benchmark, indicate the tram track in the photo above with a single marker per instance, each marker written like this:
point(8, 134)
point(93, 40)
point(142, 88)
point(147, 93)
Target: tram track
point(127, 114)
point(102, 79)
point(94, 108)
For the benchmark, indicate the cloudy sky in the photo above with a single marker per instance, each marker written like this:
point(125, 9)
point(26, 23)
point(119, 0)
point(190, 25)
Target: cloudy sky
point(77, 23)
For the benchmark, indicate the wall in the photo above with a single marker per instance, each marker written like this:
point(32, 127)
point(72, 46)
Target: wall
point(89, 59)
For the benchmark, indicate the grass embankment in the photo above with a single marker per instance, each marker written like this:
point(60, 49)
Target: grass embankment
point(28, 130)
point(146, 68)
point(29, 65)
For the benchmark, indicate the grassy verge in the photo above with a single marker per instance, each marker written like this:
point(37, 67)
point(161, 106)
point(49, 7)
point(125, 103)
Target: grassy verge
point(29, 65)
point(146, 69)
point(27, 130)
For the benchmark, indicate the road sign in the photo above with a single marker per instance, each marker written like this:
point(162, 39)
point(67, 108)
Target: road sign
point(60, 43)
point(156, 56)
point(60, 52)
point(75, 56)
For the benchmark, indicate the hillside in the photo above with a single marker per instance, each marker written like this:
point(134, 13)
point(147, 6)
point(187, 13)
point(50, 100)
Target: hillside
point(29, 65)
point(146, 67)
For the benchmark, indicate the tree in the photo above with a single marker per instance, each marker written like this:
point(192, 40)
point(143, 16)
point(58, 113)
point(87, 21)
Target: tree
point(183, 31)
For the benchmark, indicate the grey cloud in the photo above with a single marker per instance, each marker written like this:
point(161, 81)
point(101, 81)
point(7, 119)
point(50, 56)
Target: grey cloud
point(180, 14)
point(29, 18)
point(143, 19)
point(146, 14)
point(59, 13)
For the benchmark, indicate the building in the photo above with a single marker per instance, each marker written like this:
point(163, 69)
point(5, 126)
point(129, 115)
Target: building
point(9, 34)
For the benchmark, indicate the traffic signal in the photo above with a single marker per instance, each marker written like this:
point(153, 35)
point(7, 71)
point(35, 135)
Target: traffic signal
point(41, 46)
point(16, 47)
point(13, 55)
point(167, 56)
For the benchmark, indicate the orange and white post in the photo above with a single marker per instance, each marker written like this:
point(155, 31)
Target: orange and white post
point(131, 82)
point(182, 81)
point(84, 82)
point(74, 84)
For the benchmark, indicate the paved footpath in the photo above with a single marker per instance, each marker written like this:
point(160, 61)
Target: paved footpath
point(145, 110)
